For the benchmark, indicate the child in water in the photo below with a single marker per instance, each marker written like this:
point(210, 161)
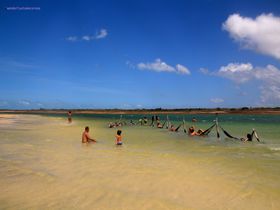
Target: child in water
point(118, 138)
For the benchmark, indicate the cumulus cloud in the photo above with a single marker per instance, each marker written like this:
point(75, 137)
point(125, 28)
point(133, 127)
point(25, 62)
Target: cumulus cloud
point(238, 72)
point(261, 34)
point(268, 76)
point(270, 94)
point(270, 89)
point(217, 100)
point(160, 66)
point(101, 34)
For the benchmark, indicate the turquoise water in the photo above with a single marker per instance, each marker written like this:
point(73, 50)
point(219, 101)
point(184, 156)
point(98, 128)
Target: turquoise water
point(43, 164)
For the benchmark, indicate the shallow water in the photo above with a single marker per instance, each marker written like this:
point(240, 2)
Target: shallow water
point(43, 164)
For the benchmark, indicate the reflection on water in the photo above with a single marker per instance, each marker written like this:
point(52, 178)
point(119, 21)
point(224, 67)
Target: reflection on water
point(43, 165)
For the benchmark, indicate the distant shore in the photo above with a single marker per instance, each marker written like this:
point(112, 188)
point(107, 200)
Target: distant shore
point(244, 110)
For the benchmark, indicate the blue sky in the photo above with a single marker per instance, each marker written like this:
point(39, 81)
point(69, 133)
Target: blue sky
point(139, 54)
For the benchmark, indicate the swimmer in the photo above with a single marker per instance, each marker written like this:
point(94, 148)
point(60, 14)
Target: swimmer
point(199, 132)
point(194, 119)
point(85, 137)
point(111, 125)
point(69, 116)
point(172, 128)
point(118, 138)
point(191, 131)
point(249, 137)
point(159, 125)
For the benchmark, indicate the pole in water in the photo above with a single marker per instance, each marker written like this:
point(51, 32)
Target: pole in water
point(256, 135)
point(120, 118)
point(167, 120)
point(217, 126)
point(184, 125)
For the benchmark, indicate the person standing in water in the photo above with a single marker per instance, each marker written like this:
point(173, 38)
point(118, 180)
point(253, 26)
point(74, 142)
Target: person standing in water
point(86, 137)
point(69, 116)
point(153, 121)
point(118, 138)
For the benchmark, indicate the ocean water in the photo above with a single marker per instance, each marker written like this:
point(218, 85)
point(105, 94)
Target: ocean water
point(44, 165)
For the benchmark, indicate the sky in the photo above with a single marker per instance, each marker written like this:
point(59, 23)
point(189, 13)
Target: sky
point(139, 54)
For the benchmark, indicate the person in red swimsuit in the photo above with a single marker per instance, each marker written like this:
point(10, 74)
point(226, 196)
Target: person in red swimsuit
point(118, 138)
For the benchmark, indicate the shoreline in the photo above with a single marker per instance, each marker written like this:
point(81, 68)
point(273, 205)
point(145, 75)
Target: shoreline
point(271, 111)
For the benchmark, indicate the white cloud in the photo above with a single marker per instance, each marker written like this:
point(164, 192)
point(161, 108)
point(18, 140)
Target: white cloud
point(182, 69)
point(204, 71)
point(261, 34)
point(160, 66)
point(268, 76)
point(87, 38)
point(72, 38)
point(101, 34)
point(157, 65)
point(270, 94)
point(25, 103)
point(238, 72)
point(270, 89)
point(217, 100)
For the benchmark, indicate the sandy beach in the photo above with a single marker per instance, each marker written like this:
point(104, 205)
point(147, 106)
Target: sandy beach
point(7, 119)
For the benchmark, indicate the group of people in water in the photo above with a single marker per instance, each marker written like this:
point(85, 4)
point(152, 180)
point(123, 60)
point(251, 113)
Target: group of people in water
point(87, 139)
point(155, 122)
